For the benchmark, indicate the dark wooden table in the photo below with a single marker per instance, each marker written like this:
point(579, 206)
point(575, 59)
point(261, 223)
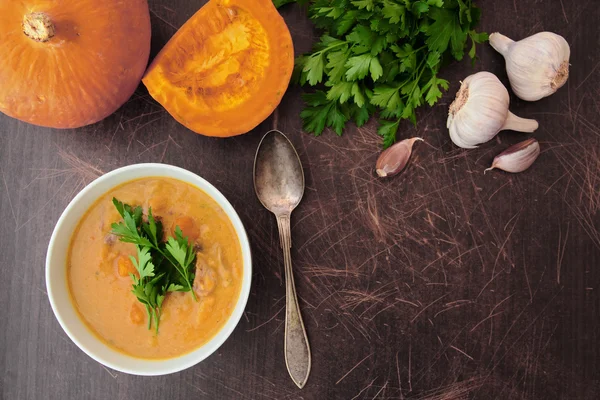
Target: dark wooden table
point(442, 283)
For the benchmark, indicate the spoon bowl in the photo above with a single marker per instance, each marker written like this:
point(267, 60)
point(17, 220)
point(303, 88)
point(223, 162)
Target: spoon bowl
point(278, 174)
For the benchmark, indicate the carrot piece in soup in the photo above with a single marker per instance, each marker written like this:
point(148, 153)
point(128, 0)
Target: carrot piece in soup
point(136, 315)
point(125, 266)
point(188, 227)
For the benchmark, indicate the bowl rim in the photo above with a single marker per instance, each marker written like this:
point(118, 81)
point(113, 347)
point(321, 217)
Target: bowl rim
point(200, 353)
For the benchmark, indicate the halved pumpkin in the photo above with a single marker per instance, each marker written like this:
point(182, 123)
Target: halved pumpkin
point(226, 69)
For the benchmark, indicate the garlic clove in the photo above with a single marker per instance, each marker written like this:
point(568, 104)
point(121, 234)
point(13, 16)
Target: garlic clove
point(517, 158)
point(537, 66)
point(480, 111)
point(395, 158)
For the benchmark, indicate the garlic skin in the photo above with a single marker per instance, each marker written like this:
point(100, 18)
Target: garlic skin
point(517, 158)
point(536, 66)
point(395, 158)
point(480, 111)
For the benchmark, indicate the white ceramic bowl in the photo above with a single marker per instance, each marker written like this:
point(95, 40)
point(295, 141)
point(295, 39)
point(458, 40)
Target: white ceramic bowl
point(56, 273)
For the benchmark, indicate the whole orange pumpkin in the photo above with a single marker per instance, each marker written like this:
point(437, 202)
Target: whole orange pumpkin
point(70, 63)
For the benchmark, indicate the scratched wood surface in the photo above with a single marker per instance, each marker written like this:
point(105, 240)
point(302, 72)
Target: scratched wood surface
point(442, 283)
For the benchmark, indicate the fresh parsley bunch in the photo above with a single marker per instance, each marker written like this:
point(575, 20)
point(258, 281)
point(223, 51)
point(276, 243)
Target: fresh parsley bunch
point(381, 56)
point(162, 266)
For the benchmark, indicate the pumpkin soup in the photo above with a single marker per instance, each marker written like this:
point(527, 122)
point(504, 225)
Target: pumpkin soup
point(104, 272)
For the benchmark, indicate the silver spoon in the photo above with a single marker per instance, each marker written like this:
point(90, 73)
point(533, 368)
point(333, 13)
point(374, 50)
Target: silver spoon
point(279, 185)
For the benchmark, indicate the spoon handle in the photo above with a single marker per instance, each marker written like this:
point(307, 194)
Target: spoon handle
point(297, 349)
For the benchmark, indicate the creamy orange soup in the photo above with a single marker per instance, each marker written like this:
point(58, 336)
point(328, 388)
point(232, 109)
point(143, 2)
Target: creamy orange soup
point(98, 270)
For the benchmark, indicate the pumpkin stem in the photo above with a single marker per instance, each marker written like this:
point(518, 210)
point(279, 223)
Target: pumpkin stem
point(38, 26)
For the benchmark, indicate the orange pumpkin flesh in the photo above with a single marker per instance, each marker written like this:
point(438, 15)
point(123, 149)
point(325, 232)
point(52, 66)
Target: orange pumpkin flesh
point(226, 69)
point(70, 63)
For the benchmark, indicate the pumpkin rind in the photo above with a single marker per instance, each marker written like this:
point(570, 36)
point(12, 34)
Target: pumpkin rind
point(90, 66)
point(226, 69)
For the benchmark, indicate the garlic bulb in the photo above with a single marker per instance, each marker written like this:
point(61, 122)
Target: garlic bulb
point(537, 66)
point(480, 111)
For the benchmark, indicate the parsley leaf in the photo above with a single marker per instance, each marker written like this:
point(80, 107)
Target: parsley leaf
point(367, 4)
point(361, 115)
point(181, 251)
point(446, 30)
point(341, 91)
point(144, 266)
point(322, 113)
point(315, 66)
point(336, 64)
point(174, 288)
point(360, 66)
point(393, 11)
point(387, 130)
point(129, 231)
point(434, 93)
point(388, 97)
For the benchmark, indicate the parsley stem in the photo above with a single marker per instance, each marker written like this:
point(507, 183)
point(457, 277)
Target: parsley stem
point(328, 48)
point(149, 316)
point(416, 81)
point(417, 50)
point(156, 318)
